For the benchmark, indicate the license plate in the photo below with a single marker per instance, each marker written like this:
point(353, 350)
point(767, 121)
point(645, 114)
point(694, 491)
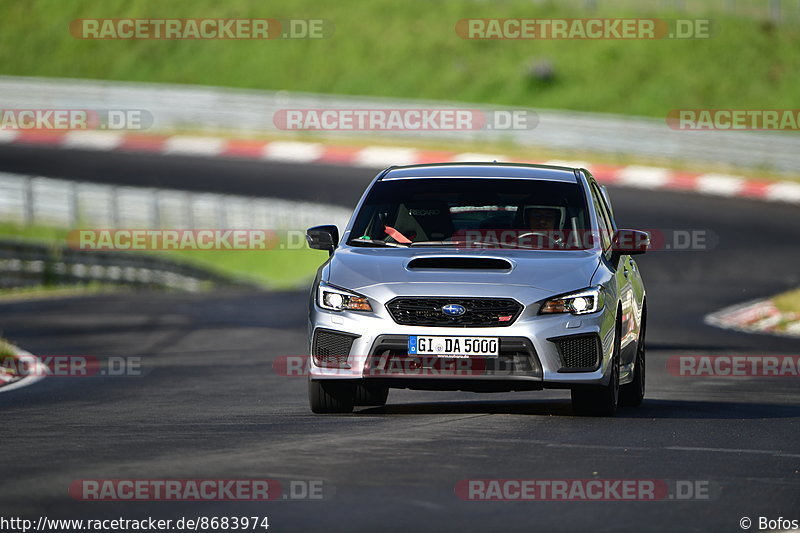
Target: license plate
point(454, 346)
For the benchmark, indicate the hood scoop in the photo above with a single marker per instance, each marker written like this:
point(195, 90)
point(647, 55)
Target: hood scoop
point(459, 263)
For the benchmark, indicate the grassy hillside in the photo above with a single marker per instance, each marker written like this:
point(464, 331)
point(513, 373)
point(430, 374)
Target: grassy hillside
point(410, 49)
point(287, 268)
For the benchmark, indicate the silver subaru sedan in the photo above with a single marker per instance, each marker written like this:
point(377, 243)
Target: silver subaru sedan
point(483, 277)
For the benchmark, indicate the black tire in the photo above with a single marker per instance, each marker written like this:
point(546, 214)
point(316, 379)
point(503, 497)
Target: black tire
point(371, 395)
point(331, 396)
point(600, 400)
point(632, 394)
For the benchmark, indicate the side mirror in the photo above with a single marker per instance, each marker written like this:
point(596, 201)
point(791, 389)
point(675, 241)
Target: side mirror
point(323, 238)
point(630, 242)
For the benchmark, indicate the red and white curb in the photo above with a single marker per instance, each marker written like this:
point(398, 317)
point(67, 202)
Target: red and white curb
point(643, 177)
point(758, 316)
point(36, 371)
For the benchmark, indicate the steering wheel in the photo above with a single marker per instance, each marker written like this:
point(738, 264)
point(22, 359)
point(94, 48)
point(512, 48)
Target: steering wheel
point(552, 239)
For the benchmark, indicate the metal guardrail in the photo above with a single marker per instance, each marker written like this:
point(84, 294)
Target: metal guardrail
point(33, 200)
point(240, 111)
point(38, 200)
point(27, 264)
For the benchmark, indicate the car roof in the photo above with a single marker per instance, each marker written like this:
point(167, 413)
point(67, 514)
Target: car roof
point(481, 170)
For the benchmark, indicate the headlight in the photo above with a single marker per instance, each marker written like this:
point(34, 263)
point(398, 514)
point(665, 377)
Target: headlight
point(578, 303)
point(336, 299)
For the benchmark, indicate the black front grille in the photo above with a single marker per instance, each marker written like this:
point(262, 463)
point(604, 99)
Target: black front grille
point(331, 348)
point(579, 352)
point(480, 312)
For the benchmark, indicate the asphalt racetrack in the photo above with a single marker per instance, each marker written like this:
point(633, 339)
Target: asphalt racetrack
point(210, 405)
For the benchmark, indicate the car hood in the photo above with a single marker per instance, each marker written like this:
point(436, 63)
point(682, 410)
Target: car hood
point(385, 272)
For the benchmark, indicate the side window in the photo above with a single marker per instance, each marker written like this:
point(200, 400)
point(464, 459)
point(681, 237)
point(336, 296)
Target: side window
point(602, 218)
point(606, 208)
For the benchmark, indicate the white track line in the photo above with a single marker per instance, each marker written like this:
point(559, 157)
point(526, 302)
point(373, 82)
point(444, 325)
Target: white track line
point(775, 453)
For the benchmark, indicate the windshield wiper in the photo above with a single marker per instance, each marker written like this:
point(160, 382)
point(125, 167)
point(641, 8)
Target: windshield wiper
point(465, 244)
point(374, 242)
point(434, 243)
point(457, 244)
point(557, 245)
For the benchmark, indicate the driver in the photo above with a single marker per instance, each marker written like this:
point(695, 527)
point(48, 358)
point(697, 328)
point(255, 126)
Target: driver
point(542, 223)
point(542, 218)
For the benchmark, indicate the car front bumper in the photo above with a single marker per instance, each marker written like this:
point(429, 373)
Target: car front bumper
point(531, 352)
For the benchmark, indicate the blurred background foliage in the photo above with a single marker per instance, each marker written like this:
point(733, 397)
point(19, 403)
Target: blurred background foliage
point(410, 49)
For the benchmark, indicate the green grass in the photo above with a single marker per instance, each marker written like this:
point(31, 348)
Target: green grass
point(7, 359)
point(5, 349)
point(788, 302)
point(410, 49)
point(45, 234)
point(270, 268)
point(15, 294)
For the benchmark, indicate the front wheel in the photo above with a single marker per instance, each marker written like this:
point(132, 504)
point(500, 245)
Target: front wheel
point(600, 400)
point(632, 394)
point(371, 395)
point(331, 396)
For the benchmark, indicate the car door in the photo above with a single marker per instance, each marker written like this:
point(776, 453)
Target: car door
point(624, 271)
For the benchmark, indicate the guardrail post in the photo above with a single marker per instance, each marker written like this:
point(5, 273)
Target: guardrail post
point(29, 211)
point(251, 214)
point(155, 221)
point(74, 208)
point(114, 199)
point(189, 211)
point(222, 213)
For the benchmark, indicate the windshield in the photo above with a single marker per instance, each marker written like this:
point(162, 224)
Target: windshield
point(483, 212)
